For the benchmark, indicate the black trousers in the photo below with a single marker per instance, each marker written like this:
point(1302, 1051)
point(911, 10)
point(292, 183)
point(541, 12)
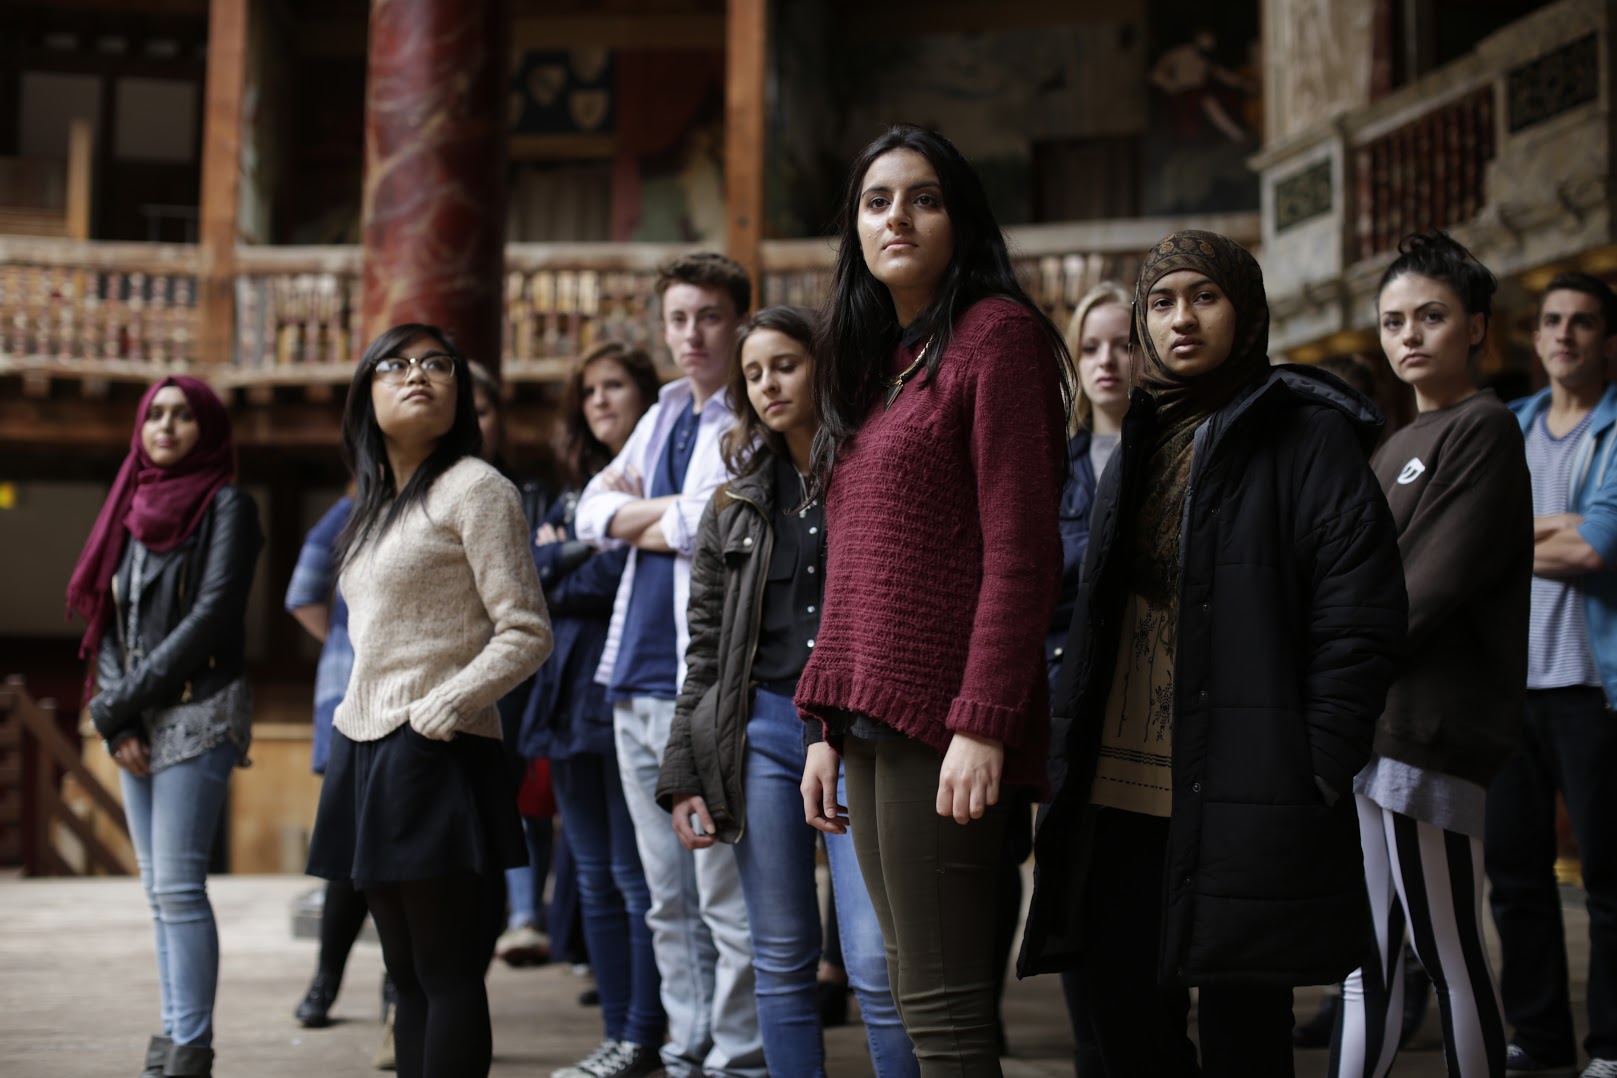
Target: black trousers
point(1140, 1024)
point(1569, 743)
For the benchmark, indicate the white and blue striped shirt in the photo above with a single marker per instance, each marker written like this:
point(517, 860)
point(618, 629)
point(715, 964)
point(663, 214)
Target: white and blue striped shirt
point(1558, 652)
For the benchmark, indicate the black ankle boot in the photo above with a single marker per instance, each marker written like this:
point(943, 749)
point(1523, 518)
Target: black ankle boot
point(156, 1055)
point(188, 1061)
point(1316, 1032)
point(314, 1010)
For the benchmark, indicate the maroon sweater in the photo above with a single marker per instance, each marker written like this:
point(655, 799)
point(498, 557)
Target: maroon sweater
point(943, 559)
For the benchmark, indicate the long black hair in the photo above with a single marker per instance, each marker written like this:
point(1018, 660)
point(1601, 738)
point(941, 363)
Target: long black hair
point(860, 329)
point(375, 506)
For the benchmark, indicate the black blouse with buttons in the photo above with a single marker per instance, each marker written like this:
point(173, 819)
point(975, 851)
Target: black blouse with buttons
point(791, 607)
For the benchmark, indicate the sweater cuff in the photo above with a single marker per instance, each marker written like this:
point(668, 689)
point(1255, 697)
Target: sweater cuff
point(433, 716)
point(984, 719)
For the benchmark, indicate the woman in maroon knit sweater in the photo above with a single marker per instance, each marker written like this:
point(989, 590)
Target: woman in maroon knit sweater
point(942, 455)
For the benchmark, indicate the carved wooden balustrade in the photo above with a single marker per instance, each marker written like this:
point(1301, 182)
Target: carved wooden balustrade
point(101, 312)
point(1427, 173)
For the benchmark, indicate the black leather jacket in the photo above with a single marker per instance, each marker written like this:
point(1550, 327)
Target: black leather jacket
point(193, 613)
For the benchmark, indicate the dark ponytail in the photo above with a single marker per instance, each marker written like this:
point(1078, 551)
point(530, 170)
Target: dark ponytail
point(1440, 257)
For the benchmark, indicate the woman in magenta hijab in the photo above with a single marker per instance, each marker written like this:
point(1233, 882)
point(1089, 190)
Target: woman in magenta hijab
point(163, 584)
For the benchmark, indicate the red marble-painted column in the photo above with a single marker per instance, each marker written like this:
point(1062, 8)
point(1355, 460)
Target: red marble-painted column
point(435, 161)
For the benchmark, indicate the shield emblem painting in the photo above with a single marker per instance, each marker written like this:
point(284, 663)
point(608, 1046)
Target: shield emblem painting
point(546, 82)
point(588, 108)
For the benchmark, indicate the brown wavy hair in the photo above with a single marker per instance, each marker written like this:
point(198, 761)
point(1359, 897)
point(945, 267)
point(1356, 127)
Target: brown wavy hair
point(581, 453)
point(742, 442)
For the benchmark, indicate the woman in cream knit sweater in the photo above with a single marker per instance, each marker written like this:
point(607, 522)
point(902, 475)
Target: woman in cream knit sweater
point(446, 615)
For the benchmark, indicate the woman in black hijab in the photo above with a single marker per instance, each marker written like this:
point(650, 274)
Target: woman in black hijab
point(1239, 623)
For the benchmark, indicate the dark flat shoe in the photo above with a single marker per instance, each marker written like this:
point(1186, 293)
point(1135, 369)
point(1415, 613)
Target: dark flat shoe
point(314, 1011)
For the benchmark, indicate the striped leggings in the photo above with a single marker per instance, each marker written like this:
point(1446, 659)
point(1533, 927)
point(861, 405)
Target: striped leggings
point(1429, 881)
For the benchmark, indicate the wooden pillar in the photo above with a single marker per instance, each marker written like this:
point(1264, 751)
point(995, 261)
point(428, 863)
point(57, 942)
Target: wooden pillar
point(435, 157)
point(221, 180)
point(746, 61)
point(80, 163)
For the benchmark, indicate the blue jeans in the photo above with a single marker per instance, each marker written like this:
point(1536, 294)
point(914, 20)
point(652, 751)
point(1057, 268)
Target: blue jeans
point(173, 815)
point(776, 860)
point(525, 884)
point(612, 889)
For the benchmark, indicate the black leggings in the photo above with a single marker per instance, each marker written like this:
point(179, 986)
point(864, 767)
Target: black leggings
point(340, 921)
point(433, 941)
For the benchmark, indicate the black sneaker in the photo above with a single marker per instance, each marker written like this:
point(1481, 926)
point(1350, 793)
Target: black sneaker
point(1519, 1064)
point(633, 1061)
point(315, 1009)
point(615, 1059)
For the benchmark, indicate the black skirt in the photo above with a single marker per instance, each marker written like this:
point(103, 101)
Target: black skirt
point(407, 807)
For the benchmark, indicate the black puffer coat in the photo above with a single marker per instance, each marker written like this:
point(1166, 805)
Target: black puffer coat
point(193, 618)
point(1292, 617)
point(707, 743)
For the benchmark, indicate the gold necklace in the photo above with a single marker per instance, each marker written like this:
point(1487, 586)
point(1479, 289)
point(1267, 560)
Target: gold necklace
point(895, 385)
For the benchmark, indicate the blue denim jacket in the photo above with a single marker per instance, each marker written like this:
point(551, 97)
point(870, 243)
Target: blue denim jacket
point(1594, 496)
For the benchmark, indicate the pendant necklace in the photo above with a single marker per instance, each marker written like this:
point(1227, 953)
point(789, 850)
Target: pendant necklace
point(895, 385)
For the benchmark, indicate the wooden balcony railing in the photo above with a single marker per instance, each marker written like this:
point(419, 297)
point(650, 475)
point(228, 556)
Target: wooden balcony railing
point(128, 311)
point(1428, 173)
point(56, 839)
point(1509, 147)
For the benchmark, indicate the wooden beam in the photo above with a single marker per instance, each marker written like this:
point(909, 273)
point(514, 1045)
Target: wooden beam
point(80, 162)
point(858, 20)
point(746, 62)
point(648, 30)
point(221, 178)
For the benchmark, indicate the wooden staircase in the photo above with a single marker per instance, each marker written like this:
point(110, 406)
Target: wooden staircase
point(54, 813)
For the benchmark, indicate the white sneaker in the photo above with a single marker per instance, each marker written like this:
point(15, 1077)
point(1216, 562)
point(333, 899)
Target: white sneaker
point(1601, 1068)
point(523, 946)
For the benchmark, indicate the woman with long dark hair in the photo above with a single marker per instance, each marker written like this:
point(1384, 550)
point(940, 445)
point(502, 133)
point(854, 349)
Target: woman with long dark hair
point(163, 583)
point(445, 615)
point(941, 452)
point(568, 717)
point(1238, 622)
point(735, 755)
point(1462, 499)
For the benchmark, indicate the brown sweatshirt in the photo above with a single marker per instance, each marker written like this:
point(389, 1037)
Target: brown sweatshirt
point(1457, 482)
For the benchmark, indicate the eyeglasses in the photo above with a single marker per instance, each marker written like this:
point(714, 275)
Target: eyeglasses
point(436, 366)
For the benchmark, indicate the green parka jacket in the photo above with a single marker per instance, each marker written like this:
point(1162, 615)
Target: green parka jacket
point(729, 571)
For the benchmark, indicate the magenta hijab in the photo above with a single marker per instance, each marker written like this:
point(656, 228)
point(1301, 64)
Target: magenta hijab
point(159, 506)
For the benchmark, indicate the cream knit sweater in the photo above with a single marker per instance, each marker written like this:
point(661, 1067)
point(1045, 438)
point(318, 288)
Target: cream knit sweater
point(445, 611)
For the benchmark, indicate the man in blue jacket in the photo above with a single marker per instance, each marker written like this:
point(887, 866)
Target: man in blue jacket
point(1570, 733)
